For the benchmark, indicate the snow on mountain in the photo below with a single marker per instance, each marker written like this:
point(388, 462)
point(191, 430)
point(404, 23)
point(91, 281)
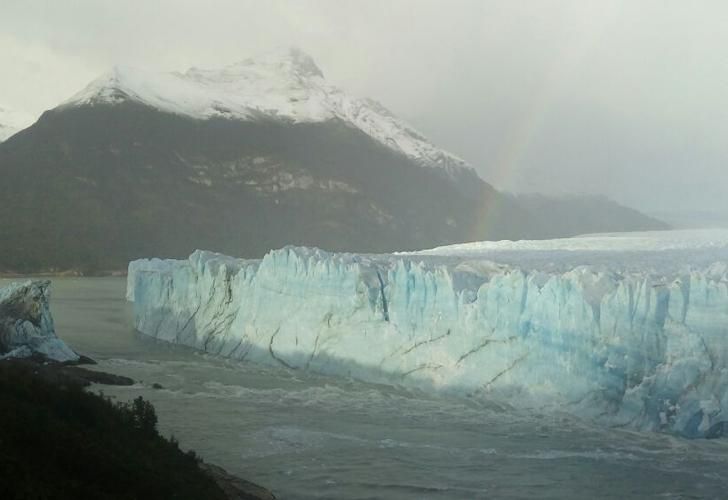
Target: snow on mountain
point(12, 122)
point(629, 330)
point(282, 85)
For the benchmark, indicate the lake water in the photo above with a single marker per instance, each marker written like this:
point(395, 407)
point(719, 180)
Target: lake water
point(307, 436)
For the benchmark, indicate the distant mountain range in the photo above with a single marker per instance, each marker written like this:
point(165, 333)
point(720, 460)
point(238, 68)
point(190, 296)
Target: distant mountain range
point(254, 156)
point(571, 215)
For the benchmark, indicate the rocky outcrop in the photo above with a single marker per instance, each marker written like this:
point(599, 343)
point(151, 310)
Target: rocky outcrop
point(66, 374)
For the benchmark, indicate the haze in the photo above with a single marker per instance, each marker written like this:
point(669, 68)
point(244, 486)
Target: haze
point(623, 99)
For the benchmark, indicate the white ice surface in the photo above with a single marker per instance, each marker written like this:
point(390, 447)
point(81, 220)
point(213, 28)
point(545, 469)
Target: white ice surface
point(698, 239)
point(630, 330)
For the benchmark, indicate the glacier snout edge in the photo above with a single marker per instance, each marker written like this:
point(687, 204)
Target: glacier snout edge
point(623, 348)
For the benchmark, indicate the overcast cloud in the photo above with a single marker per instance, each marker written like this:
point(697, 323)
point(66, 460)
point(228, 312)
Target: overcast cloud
point(627, 99)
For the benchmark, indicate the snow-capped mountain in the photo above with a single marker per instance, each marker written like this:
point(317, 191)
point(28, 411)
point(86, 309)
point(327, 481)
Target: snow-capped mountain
point(12, 122)
point(284, 85)
point(258, 155)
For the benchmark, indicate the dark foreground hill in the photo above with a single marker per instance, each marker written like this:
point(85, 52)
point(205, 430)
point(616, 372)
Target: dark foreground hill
point(58, 441)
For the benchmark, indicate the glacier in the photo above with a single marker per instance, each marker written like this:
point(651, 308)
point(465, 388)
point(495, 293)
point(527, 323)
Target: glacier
point(26, 324)
point(625, 329)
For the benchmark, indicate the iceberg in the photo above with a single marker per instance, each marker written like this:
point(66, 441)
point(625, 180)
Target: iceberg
point(26, 324)
point(626, 329)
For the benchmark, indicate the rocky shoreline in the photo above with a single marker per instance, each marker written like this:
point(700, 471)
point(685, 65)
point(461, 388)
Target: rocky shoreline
point(234, 487)
point(64, 374)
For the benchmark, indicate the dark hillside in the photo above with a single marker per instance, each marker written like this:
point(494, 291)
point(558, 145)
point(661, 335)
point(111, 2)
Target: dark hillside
point(93, 187)
point(57, 441)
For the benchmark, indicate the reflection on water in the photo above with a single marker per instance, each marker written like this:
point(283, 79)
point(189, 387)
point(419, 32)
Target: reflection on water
point(308, 436)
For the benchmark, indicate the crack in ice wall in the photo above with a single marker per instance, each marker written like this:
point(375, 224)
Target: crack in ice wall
point(624, 347)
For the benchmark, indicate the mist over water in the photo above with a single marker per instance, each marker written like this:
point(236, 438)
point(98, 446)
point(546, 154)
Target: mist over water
point(308, 436)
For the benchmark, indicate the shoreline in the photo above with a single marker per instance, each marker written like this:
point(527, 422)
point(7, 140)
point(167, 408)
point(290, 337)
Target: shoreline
point(70, 376)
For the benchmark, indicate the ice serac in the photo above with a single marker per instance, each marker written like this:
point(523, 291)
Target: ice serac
point(630, 330)
point(26, 324)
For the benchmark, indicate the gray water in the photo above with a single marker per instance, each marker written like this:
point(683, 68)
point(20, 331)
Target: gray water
point(307, 436)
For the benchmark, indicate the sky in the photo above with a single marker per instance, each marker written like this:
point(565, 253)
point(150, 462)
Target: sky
point(626, 99)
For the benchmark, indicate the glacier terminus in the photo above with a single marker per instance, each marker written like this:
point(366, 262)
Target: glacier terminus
point(627, 329)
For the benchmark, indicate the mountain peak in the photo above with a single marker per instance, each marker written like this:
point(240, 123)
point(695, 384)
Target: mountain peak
point(286, 59)
point(284, 84)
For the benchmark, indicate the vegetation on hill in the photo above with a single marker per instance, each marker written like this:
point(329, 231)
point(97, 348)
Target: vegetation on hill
point(58, 441)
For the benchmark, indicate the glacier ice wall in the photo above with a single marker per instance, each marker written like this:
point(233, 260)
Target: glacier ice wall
point(26, 324)
point(628, 348)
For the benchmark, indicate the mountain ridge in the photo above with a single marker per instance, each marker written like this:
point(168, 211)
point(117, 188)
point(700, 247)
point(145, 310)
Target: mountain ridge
point(282, 85)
